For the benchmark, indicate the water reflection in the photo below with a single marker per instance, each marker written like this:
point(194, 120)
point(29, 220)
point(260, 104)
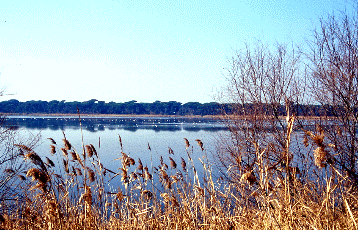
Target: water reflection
point(97, 124)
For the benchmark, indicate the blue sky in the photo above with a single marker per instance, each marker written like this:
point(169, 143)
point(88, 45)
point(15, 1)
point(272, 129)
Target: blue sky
point(138, 50)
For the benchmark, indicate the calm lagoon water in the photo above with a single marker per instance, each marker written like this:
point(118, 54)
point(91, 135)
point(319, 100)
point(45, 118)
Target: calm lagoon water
point(136, 133)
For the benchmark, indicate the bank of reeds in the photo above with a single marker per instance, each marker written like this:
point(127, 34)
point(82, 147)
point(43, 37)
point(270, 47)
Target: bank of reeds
point(72, 193)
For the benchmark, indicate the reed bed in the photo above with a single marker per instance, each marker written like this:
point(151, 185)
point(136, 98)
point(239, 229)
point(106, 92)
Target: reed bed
point(72, 191)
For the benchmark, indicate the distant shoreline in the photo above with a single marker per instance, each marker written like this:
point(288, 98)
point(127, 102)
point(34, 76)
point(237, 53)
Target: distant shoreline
point(216, 117)
point(110, 115)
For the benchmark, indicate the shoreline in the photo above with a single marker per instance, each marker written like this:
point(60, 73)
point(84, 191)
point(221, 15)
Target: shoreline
point(215, 117)
point(110, 115)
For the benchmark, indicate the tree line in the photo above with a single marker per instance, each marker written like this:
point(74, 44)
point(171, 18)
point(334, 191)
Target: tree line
point(94, 106)
point(101, 107)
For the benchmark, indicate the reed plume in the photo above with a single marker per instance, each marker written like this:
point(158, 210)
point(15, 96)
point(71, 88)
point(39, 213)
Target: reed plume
point(74, 155)
point(89, 151)
point(52, 149)
point(23, 147)
point(183, 164)
point(52, 141)
point(140, 165)
point(147, 175)
point(64, 151)
point(78, 171)
point(67, 144)
point(35, 159)
point(172, 163)
point(187, 144)
point(65, 164)
point(50, 162)
point(91, 174)
point(200, 143)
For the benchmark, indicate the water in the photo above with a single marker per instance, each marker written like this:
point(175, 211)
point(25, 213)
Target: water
point(136, 134)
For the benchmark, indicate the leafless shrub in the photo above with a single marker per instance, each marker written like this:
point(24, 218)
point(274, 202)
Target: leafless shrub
point(334, 62)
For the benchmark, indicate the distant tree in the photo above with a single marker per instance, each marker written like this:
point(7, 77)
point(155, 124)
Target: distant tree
point(156, 107)
point(10, 106)
point(53, 106)
point(173, 107)
point(101, 107)
point(130, 107)
point(212, 108)
point(191, 108)
point(88, 106)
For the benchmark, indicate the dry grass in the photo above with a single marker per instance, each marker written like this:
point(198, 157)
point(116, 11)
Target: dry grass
point(72, 194)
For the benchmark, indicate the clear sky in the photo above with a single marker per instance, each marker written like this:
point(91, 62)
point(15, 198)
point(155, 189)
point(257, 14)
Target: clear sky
point(138, 50)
